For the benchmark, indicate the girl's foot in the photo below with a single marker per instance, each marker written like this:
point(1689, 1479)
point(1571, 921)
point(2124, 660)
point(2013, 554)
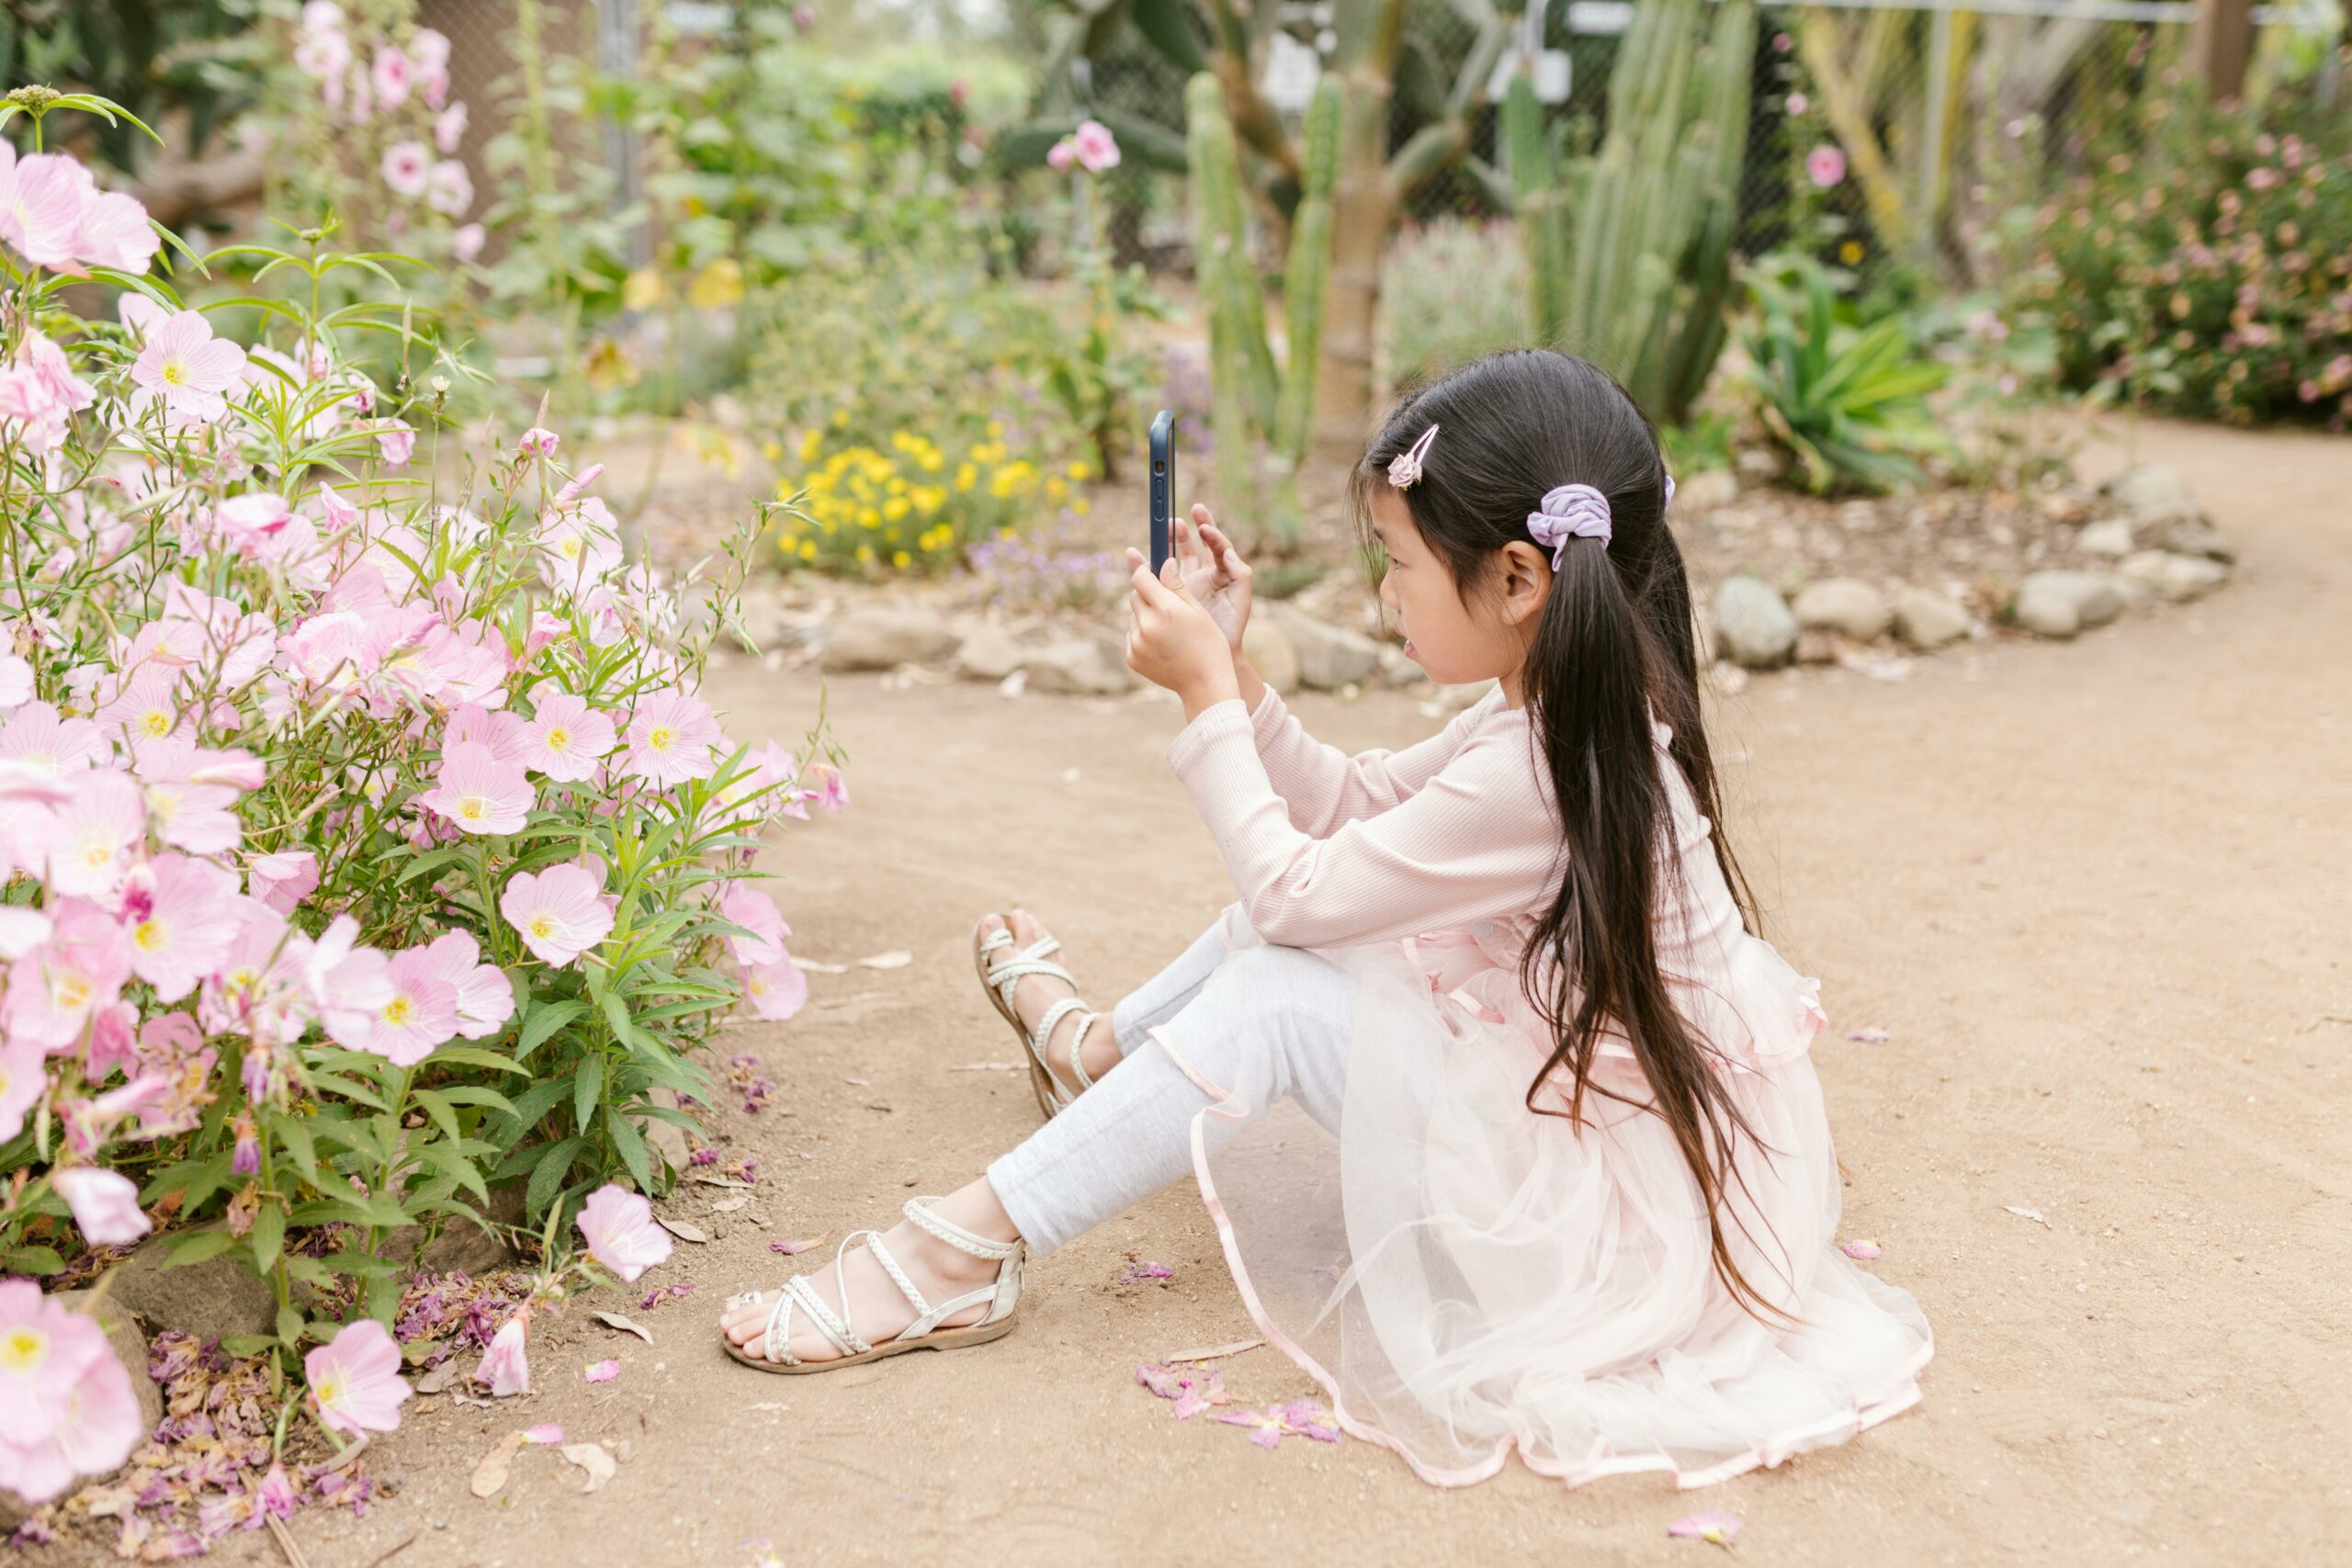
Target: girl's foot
point(877, 1310)
point(1033, 995)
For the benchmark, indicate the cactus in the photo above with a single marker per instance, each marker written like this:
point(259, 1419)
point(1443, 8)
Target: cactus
point(1253, 402)
point(1629, 250)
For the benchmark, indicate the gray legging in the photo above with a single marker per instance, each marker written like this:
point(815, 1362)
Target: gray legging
point(1128, 1136)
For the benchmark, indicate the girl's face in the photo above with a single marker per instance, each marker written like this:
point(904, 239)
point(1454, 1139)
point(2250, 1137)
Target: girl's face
point(1455, 642)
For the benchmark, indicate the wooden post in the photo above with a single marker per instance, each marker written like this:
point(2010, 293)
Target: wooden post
point(2221, 43)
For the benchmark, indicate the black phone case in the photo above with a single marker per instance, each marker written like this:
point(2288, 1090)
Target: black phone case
point(1163, 485)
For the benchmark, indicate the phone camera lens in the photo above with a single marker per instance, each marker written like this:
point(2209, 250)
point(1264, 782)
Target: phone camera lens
point(1160, 467)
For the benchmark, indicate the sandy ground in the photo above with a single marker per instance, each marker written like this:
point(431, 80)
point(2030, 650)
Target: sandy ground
point(2095, 894)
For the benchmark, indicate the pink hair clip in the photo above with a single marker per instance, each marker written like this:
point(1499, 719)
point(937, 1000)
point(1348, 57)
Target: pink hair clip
point(1405, 467)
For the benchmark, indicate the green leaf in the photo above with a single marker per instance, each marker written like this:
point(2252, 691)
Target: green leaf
point(539, 1099)
point(269, 1236)
point(471, 1056)
point(474, 1094)
point(631, 1145)
point(546, 1177)
point(585, 1087)
point(32, 1259)
point(242, 1344)
point(543, 1021)
point(197, 1247)
point(290, 1326)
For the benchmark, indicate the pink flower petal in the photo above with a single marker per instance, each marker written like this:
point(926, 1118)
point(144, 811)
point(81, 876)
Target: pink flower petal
point(1869, 1036)
point(545, 1433)
point(603, 1372)
point(1713, 1524)
point(1861, 1250)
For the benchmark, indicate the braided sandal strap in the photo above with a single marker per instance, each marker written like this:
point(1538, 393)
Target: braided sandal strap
point(1035, 952)
point(954, 1235)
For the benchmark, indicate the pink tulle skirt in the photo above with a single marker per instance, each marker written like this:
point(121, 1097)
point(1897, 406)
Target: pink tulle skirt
point(1466, 1279)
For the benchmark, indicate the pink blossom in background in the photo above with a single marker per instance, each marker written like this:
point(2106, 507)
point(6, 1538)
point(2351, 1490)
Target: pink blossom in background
point(560, 913)
point(54, 988)
point(391, 76)
point(114, 233)
point(406, 167)
point(566, 738)
point(538, 443)
point(323, 54)
point(146, 709)
point(1798, 103)
point(105, 1204)
point(21, 931)
point(449, 190)
point(506, 1367)
point(777, 990)
point(621, 1235)
point(1062, 155)
point(186, 369)
point(485, 1000)
point(96, 834)
point(37, 737)
point(430, 50)
point(355, 1377)
point(467, 242)
point(139, 315)
point(421, 1016)
point(42, 196)
point(1825, 166)
point(579, 544)
point(38, 391)
point(1096, 148)
point(177, 909)
point(467, 663)
point(22, 1082)
point(757, 913)
point(394, 442)
point(449, 128)
point(477, 793)
point(66, 1406)
point(670, 739)
point(245, 1158)
point(831, 792)
point(505, 733)
point(348, 984)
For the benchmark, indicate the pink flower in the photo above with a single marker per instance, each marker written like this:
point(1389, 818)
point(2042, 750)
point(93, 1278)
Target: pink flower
point(67, 1407)
point(620, 1232)
point(186, 369)
point(477, 793)
point(422, 1014)
point(580, 543)
point(449, 190)
point(485, 1000)
point(1304, 1418)
point(284, 879)
point(503, 732)
point(757, 913)
point(831, 792)
point(1266, 1427)
point(40, 390)
point(1798, 103)
point(21, 1082)
point(466, 243)
point(776, 990)
point(406, 167)
point(96, 835)
point(537, 441)
point(1096, 148)
point(560, 913)
point(42, 197)
point(566, 738)
point(430, 50)
point(1860, 1251)
point(670, 738)
point(178, 911)
point(391, 76)
point(1710, 1525)
point(114, 233)
point(105, 1204)
point(1062, 155)
point(449, 128)
point(395, 442)
point(1825, 166)
point(602, 1372)
point(506, 1367)
point(44, 742)
point(349, 985)
point(355, 1377)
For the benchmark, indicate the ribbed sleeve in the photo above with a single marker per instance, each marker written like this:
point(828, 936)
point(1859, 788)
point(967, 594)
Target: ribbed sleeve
point(1323, 786)
point(1475, 840)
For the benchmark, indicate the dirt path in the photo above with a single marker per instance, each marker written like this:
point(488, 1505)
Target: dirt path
point(2095, 894)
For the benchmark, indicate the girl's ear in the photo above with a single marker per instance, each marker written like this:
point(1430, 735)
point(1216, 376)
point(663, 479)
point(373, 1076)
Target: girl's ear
point(1525, 575)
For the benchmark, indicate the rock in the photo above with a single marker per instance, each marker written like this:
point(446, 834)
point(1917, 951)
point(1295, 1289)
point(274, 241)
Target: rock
point(667, 1137)
point(462, 1247)
point(988, 653)
point(1753, 627)
point(2112, 538)
point(1087, 666)
point(1398, 672)
point(2171, 576)
point(1268, 648)
point(1454, 699)
point(2191, 536)
point(877, 638)
point(1329, 657)
point(1818, 645)
point(2151, 492)
point(1844, 605)
point(1705, 491)
point(2060, 603)
point(1927, 620)
point(210, 1299)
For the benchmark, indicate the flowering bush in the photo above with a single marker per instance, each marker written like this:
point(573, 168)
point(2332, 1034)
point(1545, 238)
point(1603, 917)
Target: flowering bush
point(913, 507)
point(2208, 273)
point(367, 840)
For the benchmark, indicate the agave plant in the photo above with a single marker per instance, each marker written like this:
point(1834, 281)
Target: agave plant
point(1847, 402)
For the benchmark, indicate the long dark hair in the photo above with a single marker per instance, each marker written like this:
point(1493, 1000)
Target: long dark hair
point(1612, 644)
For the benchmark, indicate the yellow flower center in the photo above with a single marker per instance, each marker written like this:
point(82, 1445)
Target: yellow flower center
point(559, 738)
point(174, 373)
point(242, 979)
point(156, 722)
point(660, 737)
point(570, 547)
point(97, 852)
point(329, 1389)
point(22, 1350)
point(151, 935)
point(542, 924)
point(473, 808)
point(396, 1012)
point(73, 993)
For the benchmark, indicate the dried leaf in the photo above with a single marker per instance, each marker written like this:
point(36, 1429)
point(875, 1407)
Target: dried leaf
point(684, 1230)
point(439, 1378)
point(2033, 1214)
point(491, 1473)
point(729, 1205)
point(719, 1181)
point(859, 1082)
point(987, 1067)
point(592, 1459)
point(787, 1248)
point(1712, 1524)
point(615, 1319)
point(1860, 1251)
point(897, 958)
point(810, 965)
point(1869, 1036)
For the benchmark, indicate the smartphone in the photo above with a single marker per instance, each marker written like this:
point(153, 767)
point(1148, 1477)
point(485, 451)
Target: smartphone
point(1163, 485)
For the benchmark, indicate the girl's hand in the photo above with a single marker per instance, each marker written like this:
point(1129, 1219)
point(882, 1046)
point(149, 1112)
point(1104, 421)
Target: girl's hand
point(1214, 573)
point(1173, 641)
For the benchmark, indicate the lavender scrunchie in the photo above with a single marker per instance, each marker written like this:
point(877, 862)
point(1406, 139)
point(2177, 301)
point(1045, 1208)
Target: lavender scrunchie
point(1575, 512)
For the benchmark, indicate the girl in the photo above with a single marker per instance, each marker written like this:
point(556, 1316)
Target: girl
point(1552, 1175)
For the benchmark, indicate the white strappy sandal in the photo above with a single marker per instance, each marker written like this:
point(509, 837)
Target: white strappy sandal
point(771, 1352)
point(999, 981)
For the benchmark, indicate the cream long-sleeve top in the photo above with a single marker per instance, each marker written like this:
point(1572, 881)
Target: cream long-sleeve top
point(1329, 850)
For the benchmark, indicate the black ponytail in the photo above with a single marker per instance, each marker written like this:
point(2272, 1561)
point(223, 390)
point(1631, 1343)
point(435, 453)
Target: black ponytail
point(1612, 646)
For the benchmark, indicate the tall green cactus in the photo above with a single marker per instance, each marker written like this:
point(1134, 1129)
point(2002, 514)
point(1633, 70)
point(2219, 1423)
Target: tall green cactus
point(1629, 250)
point(1254, 402)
